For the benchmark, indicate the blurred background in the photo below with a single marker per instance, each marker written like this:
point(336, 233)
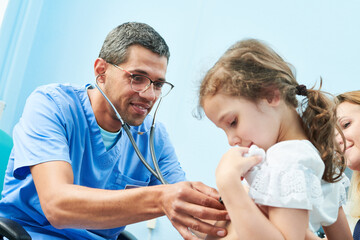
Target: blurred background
point(47, 41)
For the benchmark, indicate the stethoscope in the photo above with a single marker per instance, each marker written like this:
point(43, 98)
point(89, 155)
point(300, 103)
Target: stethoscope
point(157, 173)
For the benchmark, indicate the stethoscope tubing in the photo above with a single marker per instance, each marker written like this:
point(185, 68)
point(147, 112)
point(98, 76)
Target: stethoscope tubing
point(157, 173)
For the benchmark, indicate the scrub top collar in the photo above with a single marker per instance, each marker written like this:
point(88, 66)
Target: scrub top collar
point(95, 136)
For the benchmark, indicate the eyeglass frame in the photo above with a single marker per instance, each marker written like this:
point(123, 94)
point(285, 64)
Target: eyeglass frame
point(147, 86)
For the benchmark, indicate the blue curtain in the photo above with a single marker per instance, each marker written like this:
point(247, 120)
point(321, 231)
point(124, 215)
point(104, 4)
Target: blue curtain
point(17, 35)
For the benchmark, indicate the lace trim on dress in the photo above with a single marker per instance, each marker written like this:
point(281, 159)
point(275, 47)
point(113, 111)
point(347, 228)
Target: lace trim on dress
point(294, 187)
point(345, 183)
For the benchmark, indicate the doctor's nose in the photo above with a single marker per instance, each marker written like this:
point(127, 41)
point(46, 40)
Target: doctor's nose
point(149, 93)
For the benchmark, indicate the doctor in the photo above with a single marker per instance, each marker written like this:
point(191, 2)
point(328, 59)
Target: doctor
point(71, 161)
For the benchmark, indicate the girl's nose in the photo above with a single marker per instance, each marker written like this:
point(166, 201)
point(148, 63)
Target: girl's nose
point(234, 141)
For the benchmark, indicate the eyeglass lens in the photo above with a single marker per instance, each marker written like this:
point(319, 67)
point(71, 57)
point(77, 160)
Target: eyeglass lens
point(141, 83)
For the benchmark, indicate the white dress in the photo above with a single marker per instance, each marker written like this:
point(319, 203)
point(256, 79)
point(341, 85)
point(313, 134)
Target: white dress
point(290, 177)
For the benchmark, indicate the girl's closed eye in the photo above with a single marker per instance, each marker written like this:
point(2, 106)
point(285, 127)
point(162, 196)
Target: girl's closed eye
point(233, 122)
point(345, 125)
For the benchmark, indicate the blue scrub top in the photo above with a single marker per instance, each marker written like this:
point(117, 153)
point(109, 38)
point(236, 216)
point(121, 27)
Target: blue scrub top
point(58, 124)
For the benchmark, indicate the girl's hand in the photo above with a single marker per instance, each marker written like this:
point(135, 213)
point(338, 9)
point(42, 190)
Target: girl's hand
point(233, 165)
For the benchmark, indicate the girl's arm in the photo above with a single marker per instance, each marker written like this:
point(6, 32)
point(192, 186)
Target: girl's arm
point(247, 219)
point(312, 236)
point(340, 229)
point(231, 234)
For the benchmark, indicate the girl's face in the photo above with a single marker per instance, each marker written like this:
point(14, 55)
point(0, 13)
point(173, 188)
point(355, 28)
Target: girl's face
point(349, 121)
point(244, 122)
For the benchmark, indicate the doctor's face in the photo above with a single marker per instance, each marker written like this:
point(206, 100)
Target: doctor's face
point(134, 106)
point(349, 122)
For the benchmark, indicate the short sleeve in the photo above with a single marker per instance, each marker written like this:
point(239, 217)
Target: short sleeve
point(289, 177)
point(344, 183)
point(334, 197)
point(40, 135)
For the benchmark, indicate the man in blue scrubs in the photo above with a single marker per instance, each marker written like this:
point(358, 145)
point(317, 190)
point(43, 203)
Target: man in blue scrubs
point(71, 161)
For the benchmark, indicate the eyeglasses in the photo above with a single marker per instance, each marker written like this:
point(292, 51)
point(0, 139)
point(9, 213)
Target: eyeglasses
point(140, 83)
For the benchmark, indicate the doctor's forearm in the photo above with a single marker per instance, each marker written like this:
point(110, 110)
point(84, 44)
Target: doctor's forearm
point(81, 207)
point(67, 205)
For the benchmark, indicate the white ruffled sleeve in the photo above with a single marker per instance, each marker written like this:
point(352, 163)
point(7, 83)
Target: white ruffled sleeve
point(334, 197)
point(289, 176)
point(344, 184)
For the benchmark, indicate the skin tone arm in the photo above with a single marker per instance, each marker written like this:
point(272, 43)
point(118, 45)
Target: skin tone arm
point(232, 235)
point(72, 206)
point(246, 217)
point(340, 229)
point(311, 236)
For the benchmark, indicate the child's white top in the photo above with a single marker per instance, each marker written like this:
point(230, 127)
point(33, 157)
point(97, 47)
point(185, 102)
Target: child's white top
point(290, 177)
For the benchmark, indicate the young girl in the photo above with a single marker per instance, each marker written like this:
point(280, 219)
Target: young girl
point(348, 114)
point(250, 93)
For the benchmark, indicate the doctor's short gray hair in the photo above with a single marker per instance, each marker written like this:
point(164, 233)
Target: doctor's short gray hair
point(114, 49)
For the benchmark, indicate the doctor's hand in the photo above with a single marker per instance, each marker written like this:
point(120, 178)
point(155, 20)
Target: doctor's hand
point(189, 204)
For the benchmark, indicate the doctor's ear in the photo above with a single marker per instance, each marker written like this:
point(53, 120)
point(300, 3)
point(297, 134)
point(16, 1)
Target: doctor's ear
point(100, 67)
